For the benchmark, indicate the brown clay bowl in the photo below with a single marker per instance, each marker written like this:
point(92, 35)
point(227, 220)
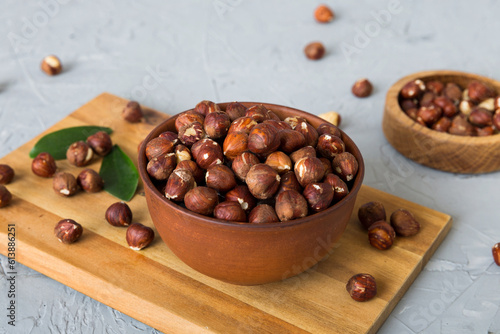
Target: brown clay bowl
point(243, 253)
point(443, 151)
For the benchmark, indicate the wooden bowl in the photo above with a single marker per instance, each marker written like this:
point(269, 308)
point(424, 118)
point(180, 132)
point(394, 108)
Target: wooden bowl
point(443, 151)
point(243, 253)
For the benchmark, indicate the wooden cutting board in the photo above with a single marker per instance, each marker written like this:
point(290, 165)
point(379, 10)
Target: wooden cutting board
point(155, 287)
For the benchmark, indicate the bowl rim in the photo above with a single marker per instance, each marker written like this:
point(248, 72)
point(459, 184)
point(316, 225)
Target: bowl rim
point(397, 112)
point(142, 162)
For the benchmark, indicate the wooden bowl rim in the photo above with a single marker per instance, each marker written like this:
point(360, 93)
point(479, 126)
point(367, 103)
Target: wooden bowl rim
point(142, 162)
point(397, 112)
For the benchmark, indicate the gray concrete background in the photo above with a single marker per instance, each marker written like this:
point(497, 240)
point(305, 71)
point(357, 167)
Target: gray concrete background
point(226, 50)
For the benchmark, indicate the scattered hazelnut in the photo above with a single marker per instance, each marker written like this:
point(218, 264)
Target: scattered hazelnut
point(323, 14)
point(235, 110)
point(453, 92)
point(231, 211)
point(314, 50)
point(329, 146)
point(182, 153)
point(244, 124)
point(413, 89)
point(220, 178)
point(191, 133)
point(442, 125)
point(201, 200)
point(330, 129)
point(262, 181)
point(263, 214)
point(100, 143)
point(279, 161)
point(206, 107)
point(5, 196)
point(461, 127)
point(187, 118)
point(79, 154)
point(263, 139)
point(304, 152)
point(90, 181)
point(51, 65)
point(197, 171)
point(435, 86)
point(362, 287)
point(44, 165)
point(6, 174)
point(340, 189)
point(178, 184)
point(242, 164)
point(362, 88)
point(309, 170)
point(235, 144)
point(64, 184)
point(139, 236)
point(291, 140)
point(345, 166)
point(480, 117)
point(132, 112)
point(327, 164)
point(309, 132)
point(478, 91)
point(370, 213)
point(217, 124)
point(68, 231)
point(381, 235)
point(318, 195)
point(294, 120)
point(158, 146)
point(404, 223)
point(162, 166)
point(496, 253)
point(290, 205)
point(119, 214)
point(243, 196)
point(258, 113)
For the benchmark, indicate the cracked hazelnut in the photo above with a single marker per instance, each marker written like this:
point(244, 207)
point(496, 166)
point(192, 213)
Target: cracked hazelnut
point(362, 88)
point(258, 113)
point(453, 92)
point(68, 231)
point(448, 107)
point(429, 115)
point(496, 253)
point(435, 86)
point(291, 140)
point(187, 118)
point(290, 205)
point(404, 223)
point(51, 65)
point(201, 200)
point(304, 152)
point(340, 189)
point(206, 107)
point(178, 184)
point(442, 125)
point(244, 124)
point(370, 213)
point(235, 144)
point(5, 196)
point(381, 235)
point(170, 135)
point(262, 181)
point(64, 184)
point(309, 132)
point(217, 124)
point(329, 146)
point(235, 110)
point(132, 112)
point(279, 161)
point(461, 127)
point(323, 14)
point(182, 153)
point(158, 146)
point(162, 166)
point(362, 287)
point(79, 154)
point(345, 166)
point(231, 211)
point(314, 50)
point(318, 195)
point(289, 182)
point(90, 181)
point(100, 143)
point(220, 177)
point(263, 214)
point(191, 133)
point(6, 174)
point(207, 153)
point(327, 164)
point(197, 171)
point(242, 164)
point(263, 139)
point(139, 236)
point(309, 170)
point(413, 89)
point(480, 117)
point(294, 120)
point(243, 196)
point(478, 91)
point(44, 165)
point(119, 214)
point(327, 128)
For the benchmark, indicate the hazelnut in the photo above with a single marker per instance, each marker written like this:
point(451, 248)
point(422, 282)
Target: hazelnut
point(486, 131)
point(206, 107)
point(305, 152)
point(488, 104)
point(323, 14)
point(427, 99)
point(182, 153)
point(187, 118)
point(442, 125)
point(178, 184)
point(90, 181)
point(435, 86)
point(370, 213)
point(158, 146)
point(429, 115)
point(263, 214)
point(6, 174)
point(79, 154)
point(217, 124)
point(327, 164)
point(329, 146)
point(139, 236)
point(162, 166)
point(381, 235)
point(170, 135)
point(362, 88)
point(100, 143)
point(309, 170)
point(244, 124)
point(448, 107)
point(282, 125)
point(220, 177)
point(258, 113)
point(64, 184)
point(132, 112)
point(404, 223)
point(263, 139)
point(345, 166)
point(231, 211)
point(413, 89)
point(274, 117)
point(461, 127)
point(340, 189)
point(51, 65)
point(290, 204)
point(362, 287)
point(465, 107)
point(291, 140)
point(201, 200)
point(413, 114)
point(5, 196)
point(294, 120)
point(453, 92)
point(328, 128)
point(480, 117)
point(314, 50)
point(478, 91)
point(235, 110)
point(44, 165)
point(289, 182)
point(197, 171)
point(119, 214)
point(191, 133)
point(243, 196)
point(262, 181)
point(496, 120)
point(309, 132)
point(207, 154)
point(242, 164)
point(496, 253)
point(234, 144)
point(408, 104)
point(279, 161)
point(68, 231)
point(318, 195)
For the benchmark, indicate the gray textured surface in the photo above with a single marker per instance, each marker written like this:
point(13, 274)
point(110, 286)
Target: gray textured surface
point(226, 50)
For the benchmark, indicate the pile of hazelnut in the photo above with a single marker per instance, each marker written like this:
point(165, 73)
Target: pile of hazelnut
point(247, 165)
point(447, 107)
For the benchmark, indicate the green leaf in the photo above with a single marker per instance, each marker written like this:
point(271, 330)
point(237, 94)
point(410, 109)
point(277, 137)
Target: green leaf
point(56, 143)
point(119, 174)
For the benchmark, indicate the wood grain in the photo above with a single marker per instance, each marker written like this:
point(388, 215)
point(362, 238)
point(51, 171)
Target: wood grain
point(443, 151)
point(155, 287)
